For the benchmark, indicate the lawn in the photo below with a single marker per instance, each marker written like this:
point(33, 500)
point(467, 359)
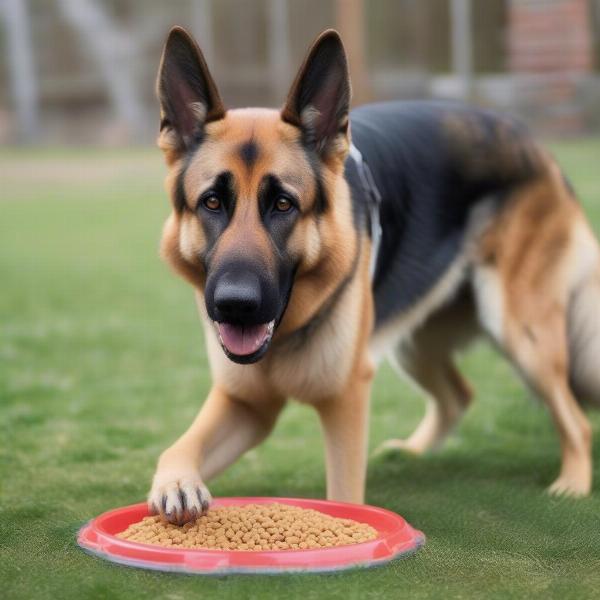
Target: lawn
point(102, 365)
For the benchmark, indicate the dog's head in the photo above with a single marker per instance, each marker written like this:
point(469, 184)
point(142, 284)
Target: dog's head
point(252, 189)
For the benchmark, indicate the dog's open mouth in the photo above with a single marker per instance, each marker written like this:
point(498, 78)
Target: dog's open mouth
point(245, 343)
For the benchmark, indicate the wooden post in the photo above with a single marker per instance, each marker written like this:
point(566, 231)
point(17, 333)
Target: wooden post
point(462, 46)
point(279, 48)
point(21, 65)
point(112, 50)
point(350, 22)
point(203, 29)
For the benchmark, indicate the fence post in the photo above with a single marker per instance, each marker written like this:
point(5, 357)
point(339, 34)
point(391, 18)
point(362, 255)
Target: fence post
point(203, 28)
point(279, 47)
point(462, 46)
point(112, 50)
point(350, 20)
point(21, 65)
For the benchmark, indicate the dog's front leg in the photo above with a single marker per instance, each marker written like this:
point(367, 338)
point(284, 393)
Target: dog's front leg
point(345, 422)
point(223, 430)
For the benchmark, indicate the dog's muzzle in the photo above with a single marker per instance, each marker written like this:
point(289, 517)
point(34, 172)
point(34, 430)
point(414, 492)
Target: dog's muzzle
point(243, 312)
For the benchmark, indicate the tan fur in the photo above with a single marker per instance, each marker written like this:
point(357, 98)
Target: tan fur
point(534, 264)
point(526, 262)
point(246, 399)
point(331, 368)
point(327, 251)
point(527, 275)
point(171, 251)
point(309, 371)
point(533, 249)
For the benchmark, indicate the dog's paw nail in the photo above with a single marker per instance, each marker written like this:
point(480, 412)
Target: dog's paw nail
point(204, 499)
point(180, 500)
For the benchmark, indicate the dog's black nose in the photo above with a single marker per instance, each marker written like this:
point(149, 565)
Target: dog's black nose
point(237, 295)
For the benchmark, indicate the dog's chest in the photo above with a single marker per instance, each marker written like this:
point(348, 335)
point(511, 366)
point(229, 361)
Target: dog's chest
point(318, 365)
point(309, 369)
point(319, 368)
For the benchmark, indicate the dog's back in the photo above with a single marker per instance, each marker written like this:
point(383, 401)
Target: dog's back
point(481, 233)
point(433, 164)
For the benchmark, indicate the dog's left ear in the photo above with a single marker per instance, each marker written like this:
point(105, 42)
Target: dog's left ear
point(187, 93)
point(319, 99)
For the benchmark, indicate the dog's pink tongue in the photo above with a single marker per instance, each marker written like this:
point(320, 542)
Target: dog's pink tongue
point(243, 339)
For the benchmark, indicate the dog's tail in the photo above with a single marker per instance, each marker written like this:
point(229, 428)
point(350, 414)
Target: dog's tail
point(583, 323)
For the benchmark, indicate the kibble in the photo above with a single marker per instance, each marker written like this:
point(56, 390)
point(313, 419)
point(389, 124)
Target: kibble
point(253, 527)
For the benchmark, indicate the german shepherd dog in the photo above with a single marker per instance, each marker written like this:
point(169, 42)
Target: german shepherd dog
point(320, 241)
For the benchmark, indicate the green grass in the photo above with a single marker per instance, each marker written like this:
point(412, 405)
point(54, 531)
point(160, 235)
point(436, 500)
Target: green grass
point(102, 365)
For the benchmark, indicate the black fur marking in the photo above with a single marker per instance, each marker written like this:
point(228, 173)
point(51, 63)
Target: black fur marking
point(249, 153)
point(320, 203)
point(324, 88)
point(274, 285)
point(430, 180)
point(360, 204)
point(215, 222)
point(184, 85)
point(300, 336)
point(319, 100)
point(278, 224)
point(224, 189)
point(180, 198)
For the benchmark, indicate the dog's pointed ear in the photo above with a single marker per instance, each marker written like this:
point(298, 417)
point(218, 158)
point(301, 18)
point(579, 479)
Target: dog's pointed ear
point(187, 93)
point(319, 99)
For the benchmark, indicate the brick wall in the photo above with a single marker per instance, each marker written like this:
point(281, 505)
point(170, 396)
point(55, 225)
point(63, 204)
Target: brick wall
point(551, 58)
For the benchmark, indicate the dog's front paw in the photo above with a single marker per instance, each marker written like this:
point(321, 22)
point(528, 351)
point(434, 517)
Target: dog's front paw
point(178, 498)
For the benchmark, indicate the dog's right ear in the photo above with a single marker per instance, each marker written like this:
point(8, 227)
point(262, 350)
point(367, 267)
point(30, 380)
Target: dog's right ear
point(319, 100)
point(187, 93)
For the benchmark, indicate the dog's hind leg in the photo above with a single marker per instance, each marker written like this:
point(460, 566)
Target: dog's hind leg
point(448, 396)
point(584, 339)
point(531, 261)
point(426, 358)
point(538, 349)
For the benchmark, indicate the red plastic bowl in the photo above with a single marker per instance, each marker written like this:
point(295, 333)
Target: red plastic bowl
point(396, 539)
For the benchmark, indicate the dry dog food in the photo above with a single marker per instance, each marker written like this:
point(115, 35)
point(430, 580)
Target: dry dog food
point(253, 527)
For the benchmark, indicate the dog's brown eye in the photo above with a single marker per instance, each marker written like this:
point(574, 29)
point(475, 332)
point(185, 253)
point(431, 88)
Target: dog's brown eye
point(283, 204)
point(212, 203)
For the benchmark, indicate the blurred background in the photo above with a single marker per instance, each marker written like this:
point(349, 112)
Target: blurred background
point(82, 71)
point(102, 360)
